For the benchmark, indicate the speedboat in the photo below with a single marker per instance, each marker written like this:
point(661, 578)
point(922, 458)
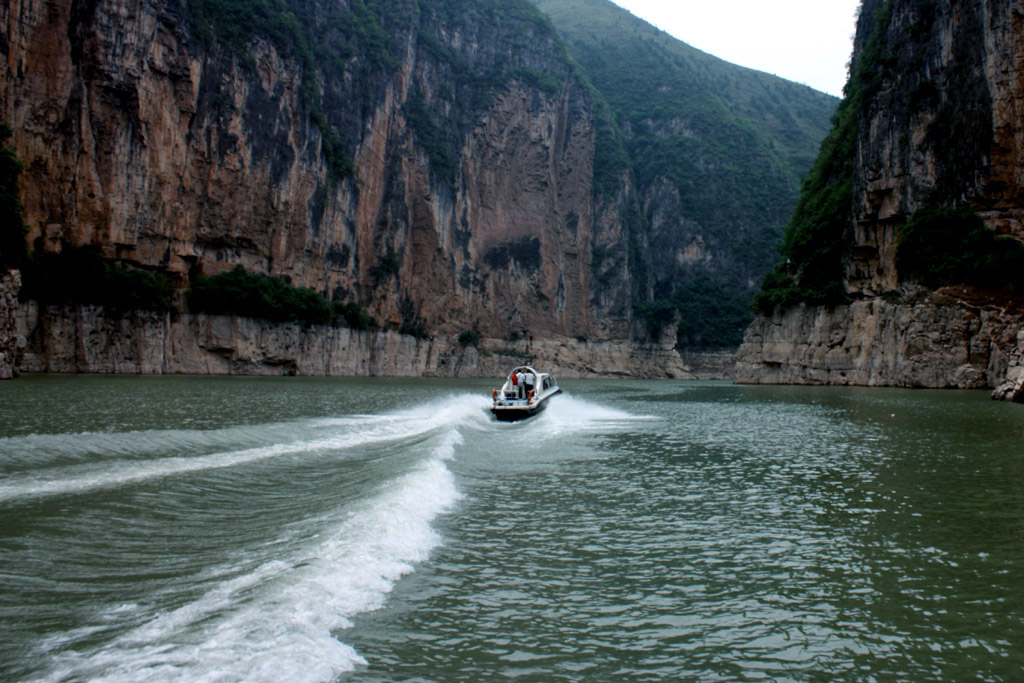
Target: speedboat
point(524, 394)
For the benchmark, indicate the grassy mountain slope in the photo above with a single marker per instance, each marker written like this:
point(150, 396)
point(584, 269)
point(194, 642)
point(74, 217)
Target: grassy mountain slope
point(717, 153)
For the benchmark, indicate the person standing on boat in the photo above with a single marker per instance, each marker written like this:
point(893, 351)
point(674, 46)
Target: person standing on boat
point(521, 382)
point(515, 383)
point(529, 380)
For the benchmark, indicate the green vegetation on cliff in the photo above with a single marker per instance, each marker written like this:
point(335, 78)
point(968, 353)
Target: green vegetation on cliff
point(709, 316)
point(942, 246)
point(81, 275)
point(355, 316)
point(812, 246)
point(717, 153)
point(239, 292)
point(811, 269)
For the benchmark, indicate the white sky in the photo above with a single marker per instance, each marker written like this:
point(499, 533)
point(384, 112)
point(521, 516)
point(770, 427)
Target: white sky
point(807, 41)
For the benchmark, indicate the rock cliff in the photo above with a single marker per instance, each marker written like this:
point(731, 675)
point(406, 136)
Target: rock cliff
point(10, 285)
point(942, 343)
point(189, 156)
point(932, 117)
point(89, 339)
point(446, 166)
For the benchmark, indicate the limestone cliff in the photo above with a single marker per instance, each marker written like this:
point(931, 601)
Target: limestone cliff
point(931, 118)
point(943, 124)
point(10, 285)
point(445, 165)
point(89, 339)
point(191, 156)
point(941, 343)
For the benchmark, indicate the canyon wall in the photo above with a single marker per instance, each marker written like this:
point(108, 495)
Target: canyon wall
point(445, 166)
point(10, 285)
point(873, 342)
point(934, 100)
point(89, 339)
point(943, 125)
point(717, 154)
point(469, 203)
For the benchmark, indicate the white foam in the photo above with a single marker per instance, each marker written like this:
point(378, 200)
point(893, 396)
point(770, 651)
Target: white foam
point(278, 622)
point(342, 433)
point(43, 449)
point(567, 413)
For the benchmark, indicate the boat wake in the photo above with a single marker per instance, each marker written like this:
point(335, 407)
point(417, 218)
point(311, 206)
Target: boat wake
point(270, 609)
point(570, 414)
point(66, 464)
point(278, 621)
point(273, 613)
point(577, 411)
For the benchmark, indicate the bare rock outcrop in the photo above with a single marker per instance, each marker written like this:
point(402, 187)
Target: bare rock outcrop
point(471, 204)
point(1013, 388)
point(938, 123)
point(89, 339)
point(878, 343)
point(10, 285)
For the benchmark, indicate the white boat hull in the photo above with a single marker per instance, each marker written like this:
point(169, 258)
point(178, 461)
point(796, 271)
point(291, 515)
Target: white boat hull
point(513, 410)
point(525, 393)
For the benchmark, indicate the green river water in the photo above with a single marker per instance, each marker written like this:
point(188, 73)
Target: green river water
point(297, 529)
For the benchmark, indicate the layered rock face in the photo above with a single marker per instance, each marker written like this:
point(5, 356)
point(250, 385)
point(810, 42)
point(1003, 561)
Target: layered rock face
point(10, 285)
point(183, 155)
point(1012, 387)
point(88, 339)
point(941, 123)
point(877, 343)
point(946, 125)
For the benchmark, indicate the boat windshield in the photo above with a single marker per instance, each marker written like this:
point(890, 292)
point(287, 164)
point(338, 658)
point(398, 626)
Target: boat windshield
point(523, 369)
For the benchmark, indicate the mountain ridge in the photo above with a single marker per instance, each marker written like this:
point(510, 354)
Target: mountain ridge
point(717, 152)
point(447, 167)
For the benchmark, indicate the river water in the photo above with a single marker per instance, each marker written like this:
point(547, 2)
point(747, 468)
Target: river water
point(218, 529)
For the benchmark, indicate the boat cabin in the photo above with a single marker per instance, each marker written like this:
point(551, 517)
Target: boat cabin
point(524, 393)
